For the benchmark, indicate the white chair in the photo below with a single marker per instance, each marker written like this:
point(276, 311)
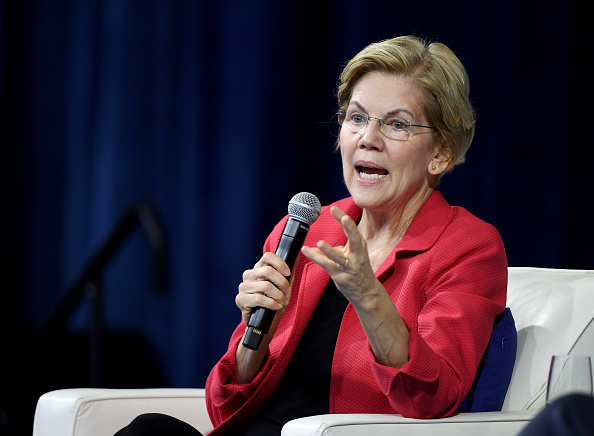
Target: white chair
point(92, 412)
point(553, 311)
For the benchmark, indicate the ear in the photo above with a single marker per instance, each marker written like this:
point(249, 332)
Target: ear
point(441, 160)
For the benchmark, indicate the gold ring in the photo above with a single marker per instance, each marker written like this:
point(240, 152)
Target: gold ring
point(343, 266)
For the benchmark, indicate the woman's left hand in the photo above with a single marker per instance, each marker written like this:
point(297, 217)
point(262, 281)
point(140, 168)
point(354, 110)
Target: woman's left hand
point(348, 265)
point(350, 268)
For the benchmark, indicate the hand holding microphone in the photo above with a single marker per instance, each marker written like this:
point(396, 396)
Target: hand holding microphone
point(304, 209)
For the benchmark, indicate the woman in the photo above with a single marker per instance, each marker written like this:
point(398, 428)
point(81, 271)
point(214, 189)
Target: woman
point(391, 306)
point(421, 282)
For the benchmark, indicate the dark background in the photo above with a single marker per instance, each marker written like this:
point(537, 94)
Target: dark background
point(215, 113)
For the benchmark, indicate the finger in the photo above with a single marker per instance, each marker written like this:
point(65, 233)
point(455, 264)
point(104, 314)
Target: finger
point(271, 268)
point(355, 239)
point(346, 222)
point(247, 303)
point(337, 213)
point(335, 254)
point(266, 274)
point(262, 294)
point(266, 288)
point(266, 285)
point(275, 261)
point(327, 257)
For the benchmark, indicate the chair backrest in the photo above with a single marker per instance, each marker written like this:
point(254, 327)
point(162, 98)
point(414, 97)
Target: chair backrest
point(494, 372)
point(553, 311)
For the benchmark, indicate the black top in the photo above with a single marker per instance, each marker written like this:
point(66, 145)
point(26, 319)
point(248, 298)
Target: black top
point(305, 387)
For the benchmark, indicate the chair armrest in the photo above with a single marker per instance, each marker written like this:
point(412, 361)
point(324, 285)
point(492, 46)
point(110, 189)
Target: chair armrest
point(86, 412)
point(480, 423)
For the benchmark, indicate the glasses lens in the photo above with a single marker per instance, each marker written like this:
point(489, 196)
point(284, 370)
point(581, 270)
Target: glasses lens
point(354, 121)
point(391, 127)
point(395, 128)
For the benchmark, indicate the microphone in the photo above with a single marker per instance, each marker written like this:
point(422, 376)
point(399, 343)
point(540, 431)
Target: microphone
point(304, 209)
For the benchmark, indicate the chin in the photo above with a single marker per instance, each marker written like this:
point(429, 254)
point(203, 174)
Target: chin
point(365, 200)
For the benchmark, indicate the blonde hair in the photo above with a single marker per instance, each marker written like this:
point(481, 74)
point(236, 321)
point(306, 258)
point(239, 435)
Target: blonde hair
point(436, 70)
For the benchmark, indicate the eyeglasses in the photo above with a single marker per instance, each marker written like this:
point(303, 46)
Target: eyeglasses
point(391, 126)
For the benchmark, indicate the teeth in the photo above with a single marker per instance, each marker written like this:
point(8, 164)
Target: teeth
point(371, 176)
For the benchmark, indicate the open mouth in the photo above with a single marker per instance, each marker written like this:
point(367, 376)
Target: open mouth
point(371, 173)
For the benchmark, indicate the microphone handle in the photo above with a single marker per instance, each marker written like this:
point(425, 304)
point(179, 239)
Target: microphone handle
point(288, 249)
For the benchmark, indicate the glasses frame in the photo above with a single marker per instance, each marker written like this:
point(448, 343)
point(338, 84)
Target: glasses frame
point(380, 121)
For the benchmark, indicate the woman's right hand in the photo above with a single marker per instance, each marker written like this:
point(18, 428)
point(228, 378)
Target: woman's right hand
point(266, 285)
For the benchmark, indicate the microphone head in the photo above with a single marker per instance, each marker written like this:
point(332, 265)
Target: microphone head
point(305, 207)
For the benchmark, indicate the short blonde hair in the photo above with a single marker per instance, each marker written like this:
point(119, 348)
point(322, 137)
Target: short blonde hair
point(436, 70)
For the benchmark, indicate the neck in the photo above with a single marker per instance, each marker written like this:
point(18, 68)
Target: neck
point(385, 229)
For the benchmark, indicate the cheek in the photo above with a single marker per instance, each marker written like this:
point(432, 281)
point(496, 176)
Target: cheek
point(344, 157)
point(348, 143)
point(343, 144)
point(346, 154)
point(341, 138)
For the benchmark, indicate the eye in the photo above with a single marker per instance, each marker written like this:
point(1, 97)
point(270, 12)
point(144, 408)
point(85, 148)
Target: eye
point(357, 118)
point(397, 123)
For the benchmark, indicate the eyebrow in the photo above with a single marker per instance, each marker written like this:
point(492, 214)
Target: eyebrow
point(392, 112)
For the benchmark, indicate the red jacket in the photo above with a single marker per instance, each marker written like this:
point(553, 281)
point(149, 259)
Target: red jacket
point(448, 280)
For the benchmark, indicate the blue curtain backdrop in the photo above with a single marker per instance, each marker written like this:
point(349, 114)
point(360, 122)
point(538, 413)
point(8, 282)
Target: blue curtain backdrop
point(216, 113)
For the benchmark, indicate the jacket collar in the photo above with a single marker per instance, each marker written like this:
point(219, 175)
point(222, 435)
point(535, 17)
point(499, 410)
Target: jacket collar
point(429, 224)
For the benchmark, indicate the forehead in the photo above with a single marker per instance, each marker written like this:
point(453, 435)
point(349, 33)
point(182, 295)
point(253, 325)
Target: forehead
point(386, 93)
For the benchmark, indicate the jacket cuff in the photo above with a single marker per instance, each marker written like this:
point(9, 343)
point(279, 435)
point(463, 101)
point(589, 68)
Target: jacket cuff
point(224, 377)
point(422, 365)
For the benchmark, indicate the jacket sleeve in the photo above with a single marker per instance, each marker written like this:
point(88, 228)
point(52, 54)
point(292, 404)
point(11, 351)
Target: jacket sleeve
point(465, 289)
point(224, 396)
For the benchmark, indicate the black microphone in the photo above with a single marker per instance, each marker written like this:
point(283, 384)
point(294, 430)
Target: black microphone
point(304, 209)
